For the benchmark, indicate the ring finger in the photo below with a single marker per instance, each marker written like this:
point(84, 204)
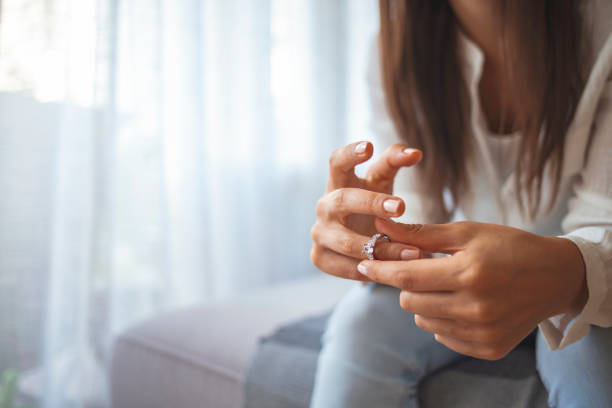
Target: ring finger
point(346, 242)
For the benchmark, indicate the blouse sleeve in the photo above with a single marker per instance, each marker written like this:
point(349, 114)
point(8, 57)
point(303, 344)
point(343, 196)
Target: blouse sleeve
point(419, 208)
point(588, 224)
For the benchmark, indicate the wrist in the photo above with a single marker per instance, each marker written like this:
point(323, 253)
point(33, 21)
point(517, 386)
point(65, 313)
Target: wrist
point(571, 275)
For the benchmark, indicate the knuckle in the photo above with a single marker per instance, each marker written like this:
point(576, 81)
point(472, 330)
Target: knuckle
point(422, 323)
point(483, 312)
point(404, 301)
point(372, 201)
point(315, 232)
point(338, 199)
point(376, 178)
point(478, 312)
point(315, 256)
point(466, 279)
point(334, 157)
point(473, 278)
point(473, 267)
point(321, 208)
point(346, 245)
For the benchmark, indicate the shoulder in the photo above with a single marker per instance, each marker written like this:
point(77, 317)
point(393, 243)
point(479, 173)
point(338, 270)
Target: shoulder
point(598, 22)
point(598, 87)
point(590, 126)
point(598, 26)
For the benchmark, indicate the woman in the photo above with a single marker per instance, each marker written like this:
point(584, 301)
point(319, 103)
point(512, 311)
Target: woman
point(511, 104)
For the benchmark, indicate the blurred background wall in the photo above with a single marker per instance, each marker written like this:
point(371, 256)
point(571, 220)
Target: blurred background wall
point(156, 154)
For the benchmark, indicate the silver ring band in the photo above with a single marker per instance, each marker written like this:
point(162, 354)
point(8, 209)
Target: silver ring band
point(368, 247)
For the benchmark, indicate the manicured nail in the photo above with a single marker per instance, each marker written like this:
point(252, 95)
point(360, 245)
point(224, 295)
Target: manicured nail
point(408, 254)
point(362, 269)
point(409, 150)
point(391, 205)
point(361, 147)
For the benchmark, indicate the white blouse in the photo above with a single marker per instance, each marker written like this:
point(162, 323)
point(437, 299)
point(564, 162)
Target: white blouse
point(583, 209)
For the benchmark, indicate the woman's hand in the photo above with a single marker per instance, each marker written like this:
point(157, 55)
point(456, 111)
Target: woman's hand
point(346, 213)
point(494, 289)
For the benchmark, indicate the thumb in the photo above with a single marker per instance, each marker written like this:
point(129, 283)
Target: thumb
point(443, 238)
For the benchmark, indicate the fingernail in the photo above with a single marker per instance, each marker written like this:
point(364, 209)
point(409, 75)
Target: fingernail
point(408, 254)
point(391, 205)
point(362, 269)
point(361, 147)
point(409, 150)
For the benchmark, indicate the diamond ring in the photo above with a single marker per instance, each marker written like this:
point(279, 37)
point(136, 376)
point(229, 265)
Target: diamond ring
point(368, 247)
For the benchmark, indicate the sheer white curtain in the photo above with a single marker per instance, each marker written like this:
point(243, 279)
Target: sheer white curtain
point(158, 153)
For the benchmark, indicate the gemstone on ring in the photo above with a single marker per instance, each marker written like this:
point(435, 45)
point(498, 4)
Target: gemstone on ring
point(368, 247)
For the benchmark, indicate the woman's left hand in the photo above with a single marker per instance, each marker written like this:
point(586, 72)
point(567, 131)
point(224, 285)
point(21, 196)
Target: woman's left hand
point(494, 289)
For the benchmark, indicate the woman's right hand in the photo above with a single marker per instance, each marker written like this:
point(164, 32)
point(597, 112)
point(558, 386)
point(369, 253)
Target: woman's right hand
point(346, 213)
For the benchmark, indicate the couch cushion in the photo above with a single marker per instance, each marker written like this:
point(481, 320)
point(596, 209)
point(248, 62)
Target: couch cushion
point(198, 357)
point(282, 373)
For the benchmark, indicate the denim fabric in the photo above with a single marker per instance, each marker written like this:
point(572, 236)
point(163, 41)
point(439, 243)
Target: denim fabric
point(580, 375)
point(375, 356)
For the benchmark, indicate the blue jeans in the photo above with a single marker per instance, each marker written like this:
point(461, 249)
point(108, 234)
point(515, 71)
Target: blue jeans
point(374, 356)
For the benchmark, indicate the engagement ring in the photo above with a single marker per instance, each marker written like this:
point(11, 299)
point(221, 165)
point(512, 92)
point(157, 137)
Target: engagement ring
point(368, 248)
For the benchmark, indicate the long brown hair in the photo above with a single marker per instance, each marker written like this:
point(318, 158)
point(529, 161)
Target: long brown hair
point(543, 49)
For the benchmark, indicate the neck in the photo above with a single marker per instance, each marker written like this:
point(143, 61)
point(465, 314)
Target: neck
point(481, 21)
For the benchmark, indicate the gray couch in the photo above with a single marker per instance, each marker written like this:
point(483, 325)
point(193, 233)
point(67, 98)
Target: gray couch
point(199, 357)
point(260, 350)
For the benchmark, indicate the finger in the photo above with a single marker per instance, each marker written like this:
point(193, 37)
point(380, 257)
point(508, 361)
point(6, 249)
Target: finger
point(342, 163)
point(448, 305)
point(473, 349)
point(438, 305)
point(457, 329)
point(345, 201)
point(335, 264)
point(347, 242)
point(383, 171)
point(431, 274)
point(445, 238)
point(393, 251)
